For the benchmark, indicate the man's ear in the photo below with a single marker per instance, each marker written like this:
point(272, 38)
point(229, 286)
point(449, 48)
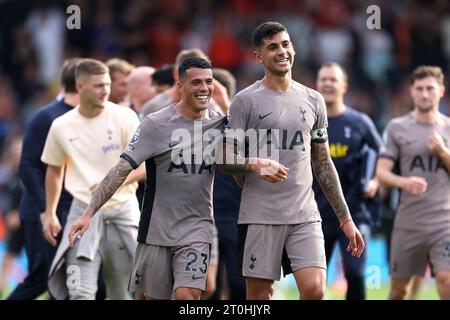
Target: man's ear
point(258, 57)
point(78, 86)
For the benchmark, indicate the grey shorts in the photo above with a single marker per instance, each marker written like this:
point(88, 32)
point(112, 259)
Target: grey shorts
point(411, 250)
point(265, 249)
point(158, 271)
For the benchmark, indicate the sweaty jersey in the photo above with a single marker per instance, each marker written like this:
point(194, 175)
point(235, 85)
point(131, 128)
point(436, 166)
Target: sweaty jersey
point(406, 141)
point(177, 206)
point(284, 120)
point(349, 136)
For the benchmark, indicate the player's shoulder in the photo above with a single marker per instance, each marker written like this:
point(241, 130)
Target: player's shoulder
point(214, 114)
point(158, 102)
point(120, 110)
point(162, 96)
point(45, 112)
point(65, 118)
point(306, 92)
point(401, 123)
point(444, 119)
point(401, 120)
point(250, 91)
point(356, 115)
point(161, 116)
point(122, 115)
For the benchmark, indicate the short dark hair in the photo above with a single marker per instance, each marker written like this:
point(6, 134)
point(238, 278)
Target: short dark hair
point(68, 75)
point(266, 30)
point(164, 75)
point(423, 72)
point(189, 53)
point(90, 67)
point(192, 62)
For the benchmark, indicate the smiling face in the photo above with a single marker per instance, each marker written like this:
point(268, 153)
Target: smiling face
point(276, 54)
point(196, 88)
point(426, 94)
point(331, 83)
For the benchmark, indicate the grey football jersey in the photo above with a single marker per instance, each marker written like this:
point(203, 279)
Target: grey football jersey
point(293, 115)
point(177, 206)
point(406, 142)
point(158, 102)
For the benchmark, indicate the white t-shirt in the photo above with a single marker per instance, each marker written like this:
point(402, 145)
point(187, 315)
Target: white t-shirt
point(90, 147)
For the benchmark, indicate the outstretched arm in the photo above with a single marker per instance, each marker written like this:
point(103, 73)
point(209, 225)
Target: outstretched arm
point(110, 183)
point(235, 164)
point(328, 179)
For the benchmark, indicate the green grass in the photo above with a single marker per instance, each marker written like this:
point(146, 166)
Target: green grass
point(5, 294)
point(427, 292)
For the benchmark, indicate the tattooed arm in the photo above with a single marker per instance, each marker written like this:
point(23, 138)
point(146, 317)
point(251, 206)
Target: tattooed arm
point(328, 179)
point(235, 164)
point(113, 180)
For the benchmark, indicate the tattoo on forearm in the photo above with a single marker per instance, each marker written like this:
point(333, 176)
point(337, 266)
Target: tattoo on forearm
point(234, 163)
point(328, 179)
point(113, 180)
point(235, 169)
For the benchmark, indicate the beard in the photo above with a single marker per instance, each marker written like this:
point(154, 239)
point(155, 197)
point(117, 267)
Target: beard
point(424, 108)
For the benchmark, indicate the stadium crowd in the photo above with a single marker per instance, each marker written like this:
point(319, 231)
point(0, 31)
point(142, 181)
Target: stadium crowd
point(147, 36)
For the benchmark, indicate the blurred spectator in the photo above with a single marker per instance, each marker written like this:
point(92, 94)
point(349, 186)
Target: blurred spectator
point(10, 192)
point(119, 70)
point(140, 87)
point(163, 78)
point(152, 33)
point(105, 33)
point(46, 27)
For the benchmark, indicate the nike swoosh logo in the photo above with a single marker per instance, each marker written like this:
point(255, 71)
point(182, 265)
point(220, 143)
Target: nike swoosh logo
point(262, 117)
point(196, 278)
point(73, 139)
point(173, 143)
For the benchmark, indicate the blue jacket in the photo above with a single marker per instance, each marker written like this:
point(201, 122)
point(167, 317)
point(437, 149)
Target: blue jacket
point(32, 170)
point(354, 146)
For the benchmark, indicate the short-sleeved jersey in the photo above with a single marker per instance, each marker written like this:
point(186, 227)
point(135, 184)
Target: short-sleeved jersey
point(349, 134)
point(286, 119)
point(177, 205)
point(90, 147)
point(406, 142)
